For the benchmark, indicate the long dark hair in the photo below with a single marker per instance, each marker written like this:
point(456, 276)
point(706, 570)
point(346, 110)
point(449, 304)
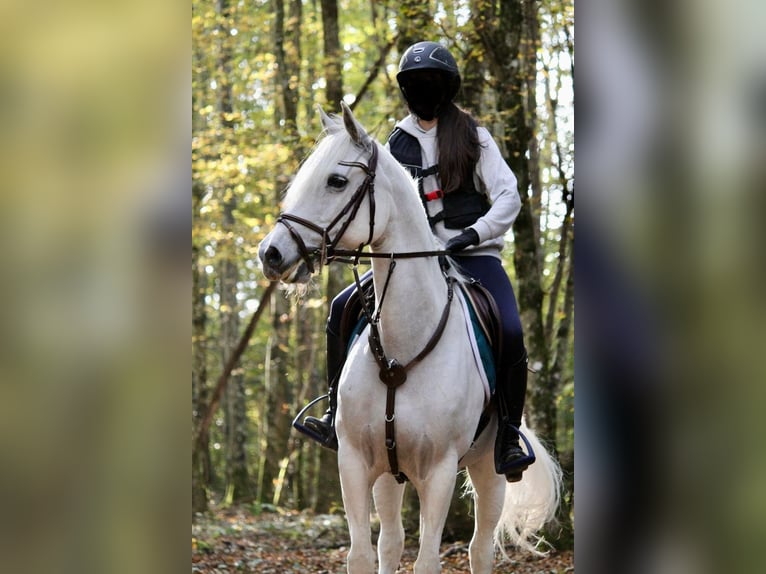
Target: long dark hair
point(459, 148)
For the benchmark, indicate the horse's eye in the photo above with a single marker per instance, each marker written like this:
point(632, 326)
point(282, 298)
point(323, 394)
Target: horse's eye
point(337, 181)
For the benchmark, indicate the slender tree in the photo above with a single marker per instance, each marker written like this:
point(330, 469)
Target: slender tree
point(502, 38)
point(325, 484)
point(200, 452)
point(280, 374)
point(332, 55)
point(239, 486)
point(510, 41)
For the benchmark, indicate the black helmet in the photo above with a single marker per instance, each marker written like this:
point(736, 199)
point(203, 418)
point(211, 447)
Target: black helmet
point(428, 78)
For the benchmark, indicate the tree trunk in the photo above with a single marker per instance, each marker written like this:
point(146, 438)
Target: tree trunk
point(280, 375)
point(332, 55)
point(529, 44)
point(414, 22)
point(238, 482)
point(510, 42)
point(472, 72)
point(287, 51)
point(502, 38)
point(239, 487)
point(200, 454)
point(306, 359)
point(277, 379)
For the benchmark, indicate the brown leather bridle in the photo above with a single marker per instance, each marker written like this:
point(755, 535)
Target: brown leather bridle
point(326, 249)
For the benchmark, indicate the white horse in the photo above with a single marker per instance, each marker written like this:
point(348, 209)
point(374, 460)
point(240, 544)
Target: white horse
point(350, 192)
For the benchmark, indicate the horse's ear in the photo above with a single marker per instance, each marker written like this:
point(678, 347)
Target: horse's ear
point(327, 122)
point(354, 128)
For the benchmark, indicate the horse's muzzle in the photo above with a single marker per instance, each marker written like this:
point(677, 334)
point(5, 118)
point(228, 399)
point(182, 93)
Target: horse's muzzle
point(277, 268)
point(271, 259)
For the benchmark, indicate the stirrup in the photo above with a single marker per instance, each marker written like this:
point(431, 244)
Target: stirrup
point(330, 441)
point(521, 464)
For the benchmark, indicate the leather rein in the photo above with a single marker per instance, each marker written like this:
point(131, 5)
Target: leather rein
point(392, 373)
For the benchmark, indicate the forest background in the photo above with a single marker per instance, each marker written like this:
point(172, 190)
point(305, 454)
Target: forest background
point(96, 125)
point(259, 71)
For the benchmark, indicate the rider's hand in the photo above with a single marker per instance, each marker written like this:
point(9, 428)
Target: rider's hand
point(460, 242)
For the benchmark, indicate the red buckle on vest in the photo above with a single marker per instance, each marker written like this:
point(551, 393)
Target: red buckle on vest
point(436, 194)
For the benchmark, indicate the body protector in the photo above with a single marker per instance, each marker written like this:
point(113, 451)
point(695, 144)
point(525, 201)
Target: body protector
point(461, 207)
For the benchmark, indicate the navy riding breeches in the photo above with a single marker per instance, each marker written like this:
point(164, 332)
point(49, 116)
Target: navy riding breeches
point(489, 272)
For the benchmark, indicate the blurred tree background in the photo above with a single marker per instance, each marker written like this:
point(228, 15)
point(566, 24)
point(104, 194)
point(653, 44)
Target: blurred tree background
point(259, 71)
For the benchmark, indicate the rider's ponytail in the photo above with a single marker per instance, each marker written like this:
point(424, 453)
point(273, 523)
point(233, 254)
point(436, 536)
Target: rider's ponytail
point(459, 148)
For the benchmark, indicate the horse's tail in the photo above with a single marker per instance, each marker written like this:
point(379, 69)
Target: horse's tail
point(531, 503)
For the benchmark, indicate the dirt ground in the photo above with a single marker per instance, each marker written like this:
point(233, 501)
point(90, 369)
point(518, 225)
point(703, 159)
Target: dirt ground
point(239, 540)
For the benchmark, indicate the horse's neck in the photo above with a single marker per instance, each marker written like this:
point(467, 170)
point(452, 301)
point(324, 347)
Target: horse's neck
point(416, 292)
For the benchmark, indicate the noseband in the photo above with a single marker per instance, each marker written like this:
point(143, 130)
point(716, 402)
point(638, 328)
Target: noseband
point(326, 249)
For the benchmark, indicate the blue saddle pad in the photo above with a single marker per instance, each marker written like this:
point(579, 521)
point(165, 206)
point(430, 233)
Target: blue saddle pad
point(485, 349)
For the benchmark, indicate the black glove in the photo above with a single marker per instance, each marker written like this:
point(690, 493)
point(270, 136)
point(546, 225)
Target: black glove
point(460, 242)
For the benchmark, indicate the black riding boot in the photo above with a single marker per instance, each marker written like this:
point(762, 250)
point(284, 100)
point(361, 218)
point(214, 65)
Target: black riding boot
point(510, 459)
point(325, 427)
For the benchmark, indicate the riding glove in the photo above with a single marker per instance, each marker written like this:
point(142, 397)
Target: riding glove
point(460, 242)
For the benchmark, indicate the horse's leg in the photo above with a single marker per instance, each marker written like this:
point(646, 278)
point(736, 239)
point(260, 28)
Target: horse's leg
point(435, 496)
point(355, 486)
point(489, 495)
point(388, 503)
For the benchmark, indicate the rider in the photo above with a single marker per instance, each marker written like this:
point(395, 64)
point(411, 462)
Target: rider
point(471, 198)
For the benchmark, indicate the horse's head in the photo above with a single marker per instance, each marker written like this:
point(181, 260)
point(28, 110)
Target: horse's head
point(330, 204)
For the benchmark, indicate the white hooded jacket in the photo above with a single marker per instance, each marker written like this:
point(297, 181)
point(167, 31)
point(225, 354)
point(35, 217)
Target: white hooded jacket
point(492, 176)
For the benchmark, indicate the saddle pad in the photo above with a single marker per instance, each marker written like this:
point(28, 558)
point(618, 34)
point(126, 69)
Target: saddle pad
point(482, 351)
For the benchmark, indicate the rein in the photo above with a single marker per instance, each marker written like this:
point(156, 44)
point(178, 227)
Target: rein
point(392, 373)
point(341, 255)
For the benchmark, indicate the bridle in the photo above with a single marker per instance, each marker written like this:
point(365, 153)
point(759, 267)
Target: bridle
point(327, 248)
point(392, 373)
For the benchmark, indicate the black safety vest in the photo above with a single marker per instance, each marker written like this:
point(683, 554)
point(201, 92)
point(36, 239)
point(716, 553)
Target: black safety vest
point(461, 207)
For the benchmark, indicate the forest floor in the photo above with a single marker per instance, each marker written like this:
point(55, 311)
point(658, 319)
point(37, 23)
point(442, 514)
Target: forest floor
point(288, 542)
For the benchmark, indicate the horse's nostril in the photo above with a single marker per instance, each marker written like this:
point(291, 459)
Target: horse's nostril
point(272, 257)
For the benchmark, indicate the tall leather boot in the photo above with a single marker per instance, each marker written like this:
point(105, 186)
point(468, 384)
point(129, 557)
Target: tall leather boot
point(324, 427)
point(510, 459)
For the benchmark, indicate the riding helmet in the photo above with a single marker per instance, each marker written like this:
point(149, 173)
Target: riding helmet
point(428, 78)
